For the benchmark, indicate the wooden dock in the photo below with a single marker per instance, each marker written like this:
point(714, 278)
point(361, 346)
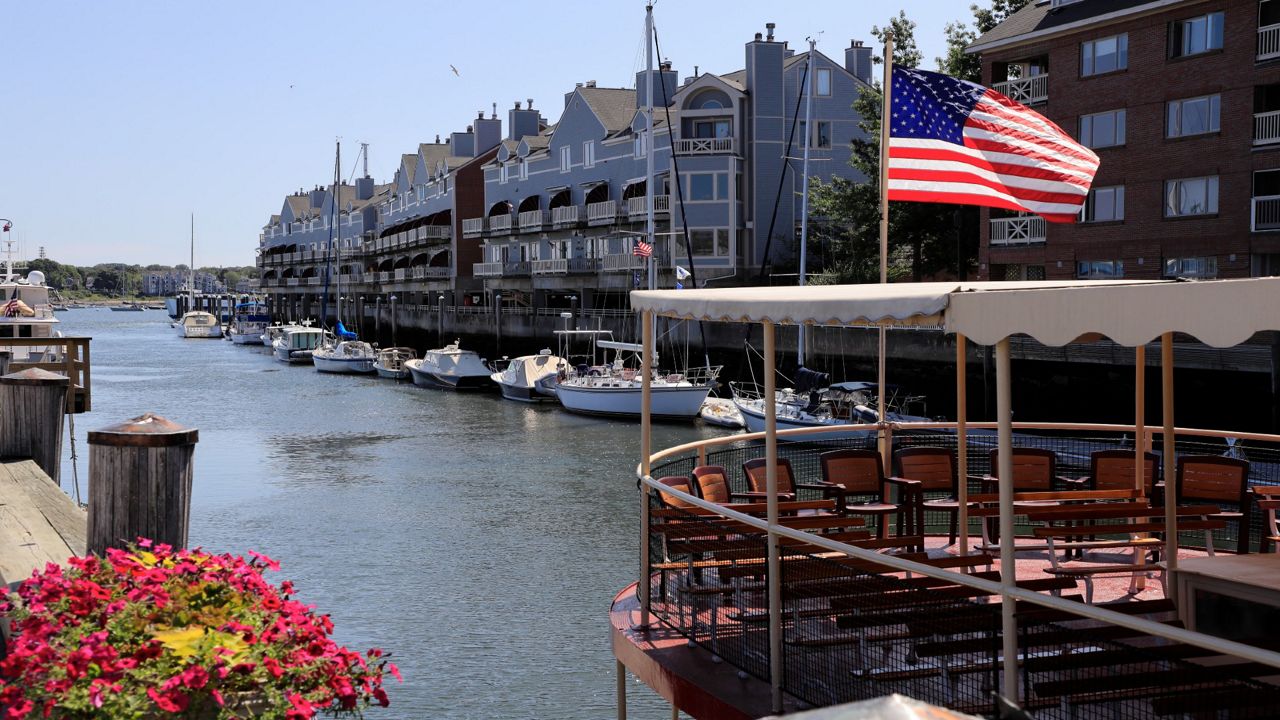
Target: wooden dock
point(39, 523)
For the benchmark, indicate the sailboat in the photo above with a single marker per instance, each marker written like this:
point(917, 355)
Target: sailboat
point(341, 352)
point(196, 323)
point(616, 389)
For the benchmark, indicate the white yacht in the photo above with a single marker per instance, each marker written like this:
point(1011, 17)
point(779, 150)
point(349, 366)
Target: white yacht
point(296, 343)
point(451, 368)
point(196, 323)
point(814, 402)
point(352, 357)
point(25, 312)
point(390, 362)
point(524, 378)
point(615, 389)
point(249, 323)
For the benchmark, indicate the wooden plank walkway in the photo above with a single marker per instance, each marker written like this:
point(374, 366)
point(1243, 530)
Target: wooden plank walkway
point(39, 523)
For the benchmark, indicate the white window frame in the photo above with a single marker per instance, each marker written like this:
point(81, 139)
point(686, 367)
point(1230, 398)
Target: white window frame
point(502, 174)
point(1174, 113)
point(718, 234)
point(1088, 212)
point(1176, 189)
point(566, 159)
point(639, 147)
point(820, 73)
point(715, 187)
point(1089, 55)
point(1088, 122)
point(1204, 267)
point(1099, 269)
point(814, 141)
point(524, 169)
point(1209, 36)
point(589, 154)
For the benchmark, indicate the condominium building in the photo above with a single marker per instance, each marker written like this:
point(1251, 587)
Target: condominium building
point(550, 210)
point(1180, 99)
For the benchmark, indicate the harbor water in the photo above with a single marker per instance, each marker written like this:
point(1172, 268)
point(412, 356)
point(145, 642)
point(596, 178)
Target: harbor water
point(477, 540)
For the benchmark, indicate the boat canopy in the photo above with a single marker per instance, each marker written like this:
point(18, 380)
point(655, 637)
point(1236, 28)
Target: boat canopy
point(1055, 313)
point(343, 333)
point(618, 345)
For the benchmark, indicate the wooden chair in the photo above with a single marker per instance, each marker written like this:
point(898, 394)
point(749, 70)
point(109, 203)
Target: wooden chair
point(755, 470)
point(1113, 470)
point(1217, 479)
point(860, 474)
point(1034, 469)
point(933, 470)
point(679, 483)
point(1269, 502)
point(712, 484)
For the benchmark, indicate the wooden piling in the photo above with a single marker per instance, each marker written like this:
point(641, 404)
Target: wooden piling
point(5, 357)
point(140, 482)
point(32, 405)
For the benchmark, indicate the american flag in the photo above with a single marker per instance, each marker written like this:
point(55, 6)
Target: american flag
point(952, 141)
point(11, 308)
point(642, 249)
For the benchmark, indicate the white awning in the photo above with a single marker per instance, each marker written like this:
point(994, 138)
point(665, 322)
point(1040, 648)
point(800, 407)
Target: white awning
point(1219, 313)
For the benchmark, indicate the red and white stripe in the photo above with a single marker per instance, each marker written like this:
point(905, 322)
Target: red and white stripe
point(1012, 158)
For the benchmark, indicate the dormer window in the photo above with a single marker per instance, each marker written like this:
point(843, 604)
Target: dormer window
point(822, 82)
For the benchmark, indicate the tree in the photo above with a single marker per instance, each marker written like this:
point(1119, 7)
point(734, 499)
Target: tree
point(921, 239)
point(957, 62)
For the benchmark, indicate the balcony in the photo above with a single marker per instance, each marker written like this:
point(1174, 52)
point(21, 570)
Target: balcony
point(1268, 42)
point(566, 217)
point(400, 274)
point(384, 276)
point(1017, 231)
point(637, 207)
point(429, 273)
point(435, 232)
point(500, 224)
point(625, 262)
point(487, 269)
point(291, 282)
point(1264, 215)
point(313, 280)
point(550, 267)
point(1266, 128)
point(516, 268)
point(602, 213)
point(534, 220)
point(1028, 91)
point(473, 227)
point(704, 146)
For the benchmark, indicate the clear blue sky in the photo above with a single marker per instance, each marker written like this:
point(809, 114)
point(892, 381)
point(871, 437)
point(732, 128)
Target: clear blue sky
point(120, 119)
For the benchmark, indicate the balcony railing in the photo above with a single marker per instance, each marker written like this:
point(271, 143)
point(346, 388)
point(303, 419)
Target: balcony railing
point(1265, 213)
point(602, 213)
point(500, 224)
point(622, 263)
point(435, 232)
point(704, 146)
point(291, 282)
point(313, 280)
point(400, 274)
point(1028, 91)
point(384, 276)
point(1268, 42)
point(550, 267)
point(1266, 127)
point(487, 269)
point(1017, 230)
point(473, 227)
point(567, 216)
point(428, 273)
point(515, 268)
point(638, 206)
point(534, 220)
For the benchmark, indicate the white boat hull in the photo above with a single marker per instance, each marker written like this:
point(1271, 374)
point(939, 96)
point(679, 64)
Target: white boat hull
point(349, 366)
point(241, 339)
point(667, 403)
point(296, 357)
point(390, 374)
point(754, 419)
point(210, 332)
point(721, 413)
point(423, 377)
point(519, 393)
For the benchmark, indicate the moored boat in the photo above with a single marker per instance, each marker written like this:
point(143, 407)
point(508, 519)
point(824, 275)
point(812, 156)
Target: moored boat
point(351, 357)
point(249, 323)
point(523, 378)
point(390, 362)
point(296, 343)
point(196, 323)
point(721, 412)
point(451, 368)
point(616, 389)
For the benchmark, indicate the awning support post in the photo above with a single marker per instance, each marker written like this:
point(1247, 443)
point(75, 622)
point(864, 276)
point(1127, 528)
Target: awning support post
point(771, 487)
point(1170, 462)
point(962, 443)
point(1139, 420)
point(646, 450)
point(1008, 567)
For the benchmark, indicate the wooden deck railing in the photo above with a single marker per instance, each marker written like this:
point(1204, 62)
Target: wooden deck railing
point(74, 364)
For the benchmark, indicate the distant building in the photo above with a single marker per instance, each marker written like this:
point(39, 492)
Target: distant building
point(172, 283)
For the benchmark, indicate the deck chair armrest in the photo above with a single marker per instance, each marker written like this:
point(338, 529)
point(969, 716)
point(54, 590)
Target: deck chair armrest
point(903, 482)
point(761, 495)
point(1075, 483)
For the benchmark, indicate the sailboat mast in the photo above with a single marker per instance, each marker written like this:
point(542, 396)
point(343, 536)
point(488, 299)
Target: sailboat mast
point(335, 231)
point(191, 269)
point(649, 184)
point(804, 185)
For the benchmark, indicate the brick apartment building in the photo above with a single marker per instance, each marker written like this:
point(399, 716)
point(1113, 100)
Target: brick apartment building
point(1181, 101)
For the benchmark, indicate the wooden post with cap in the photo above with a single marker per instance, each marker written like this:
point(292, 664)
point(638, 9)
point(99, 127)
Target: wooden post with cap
point(33, 405)
point(140, 482)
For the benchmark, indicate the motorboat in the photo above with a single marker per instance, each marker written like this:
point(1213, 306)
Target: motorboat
point(814, 401)
point(296, 343)
point(390, 362)
point(25, 312)
point(522, 377)
point(615, 389)
point(721, 412)
point(352, 357)
point(271, 332)
point(128, 307)
point(249, 323)
point(451, 368)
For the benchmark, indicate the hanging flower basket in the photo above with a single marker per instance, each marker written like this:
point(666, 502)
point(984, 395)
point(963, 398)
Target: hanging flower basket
point(152, 632)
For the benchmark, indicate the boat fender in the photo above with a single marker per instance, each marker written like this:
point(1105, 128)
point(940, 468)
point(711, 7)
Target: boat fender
point(865, 413)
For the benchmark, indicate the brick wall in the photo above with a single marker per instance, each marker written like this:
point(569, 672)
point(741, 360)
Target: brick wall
point(1148, 159)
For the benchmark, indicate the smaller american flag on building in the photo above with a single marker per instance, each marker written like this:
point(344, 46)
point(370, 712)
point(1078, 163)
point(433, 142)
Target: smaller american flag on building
point(11, 308)
point(642, 249)
point(952, 141)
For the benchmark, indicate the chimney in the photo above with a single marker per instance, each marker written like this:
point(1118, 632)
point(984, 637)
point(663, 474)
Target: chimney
point(364, 188)
point(666, 80)
point(488, 132)
point(437, 138)
point(591, 83)
point(522, 121)
point(769, 28)
point(857, 60)
point(463, 144)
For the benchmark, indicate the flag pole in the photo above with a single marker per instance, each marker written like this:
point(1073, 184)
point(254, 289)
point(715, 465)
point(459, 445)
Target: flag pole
point(885, 91)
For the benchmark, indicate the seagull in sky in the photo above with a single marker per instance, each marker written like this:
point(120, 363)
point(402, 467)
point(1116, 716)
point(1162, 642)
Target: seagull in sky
point(455, 71)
